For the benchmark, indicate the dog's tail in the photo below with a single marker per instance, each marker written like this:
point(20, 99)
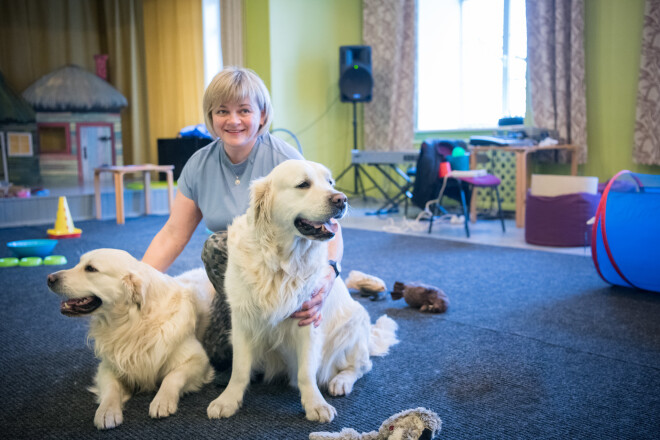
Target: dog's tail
point(383, 336)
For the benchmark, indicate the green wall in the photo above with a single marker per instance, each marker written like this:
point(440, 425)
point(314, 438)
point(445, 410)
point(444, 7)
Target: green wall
point(613, 33)
point(303, 45)
point(257, 38)
point(294, 45)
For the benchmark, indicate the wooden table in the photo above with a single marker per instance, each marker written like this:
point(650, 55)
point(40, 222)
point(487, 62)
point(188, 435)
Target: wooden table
point(522, 174)
point(118, 173)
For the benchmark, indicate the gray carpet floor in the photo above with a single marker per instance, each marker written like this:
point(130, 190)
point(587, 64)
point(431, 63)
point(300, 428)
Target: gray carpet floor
point(534, 346)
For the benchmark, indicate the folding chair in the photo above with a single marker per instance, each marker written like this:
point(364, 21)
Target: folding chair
point(484, 181)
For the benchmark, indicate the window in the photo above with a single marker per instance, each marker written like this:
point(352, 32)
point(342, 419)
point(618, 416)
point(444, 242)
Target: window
point(19, 144)
point(53, 139)
point(211, 35)
point(471, 63)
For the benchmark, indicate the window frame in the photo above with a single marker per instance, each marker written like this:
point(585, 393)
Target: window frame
point(19, 134)
point(67, 138)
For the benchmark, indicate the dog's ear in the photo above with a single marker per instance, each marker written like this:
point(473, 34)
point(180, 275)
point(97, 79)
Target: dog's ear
point(261, 204)
point(135, 287)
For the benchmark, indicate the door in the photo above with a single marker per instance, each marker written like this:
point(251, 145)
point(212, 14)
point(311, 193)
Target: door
point(96, 150)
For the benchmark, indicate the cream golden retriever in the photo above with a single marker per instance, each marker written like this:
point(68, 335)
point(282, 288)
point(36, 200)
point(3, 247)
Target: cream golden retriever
point(145, 326)
point(277, 255)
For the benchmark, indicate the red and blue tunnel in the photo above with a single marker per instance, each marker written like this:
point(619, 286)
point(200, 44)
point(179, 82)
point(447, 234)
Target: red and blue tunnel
point(625, 243)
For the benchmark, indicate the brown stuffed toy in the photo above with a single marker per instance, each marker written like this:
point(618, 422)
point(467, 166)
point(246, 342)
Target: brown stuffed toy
point(421, 296)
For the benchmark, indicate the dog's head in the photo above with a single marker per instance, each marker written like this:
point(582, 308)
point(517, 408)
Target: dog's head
point(298, 196)
point(101, 280)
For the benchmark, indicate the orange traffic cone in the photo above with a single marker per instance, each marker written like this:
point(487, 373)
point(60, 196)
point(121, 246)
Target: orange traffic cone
point(64, 223)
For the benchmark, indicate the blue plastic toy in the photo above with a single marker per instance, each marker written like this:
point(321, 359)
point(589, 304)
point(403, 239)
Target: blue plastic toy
point(32, 248)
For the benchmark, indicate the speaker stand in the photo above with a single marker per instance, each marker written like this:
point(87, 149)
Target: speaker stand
point(358, 184)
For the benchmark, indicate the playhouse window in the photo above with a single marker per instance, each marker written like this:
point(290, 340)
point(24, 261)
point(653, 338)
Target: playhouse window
point(53, 139)
point(19, 144)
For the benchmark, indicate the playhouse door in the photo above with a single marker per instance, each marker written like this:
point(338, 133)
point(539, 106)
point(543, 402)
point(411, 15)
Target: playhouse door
point(95, 150)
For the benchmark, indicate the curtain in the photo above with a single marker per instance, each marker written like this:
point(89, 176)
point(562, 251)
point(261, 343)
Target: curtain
point(555, 60)
point(123, 38)
point(647, 130)
point(39, 36)
point(389, 27)
point(231, 32)
point(175, 67)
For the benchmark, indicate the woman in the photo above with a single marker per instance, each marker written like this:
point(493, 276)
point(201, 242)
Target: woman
point(214, 185)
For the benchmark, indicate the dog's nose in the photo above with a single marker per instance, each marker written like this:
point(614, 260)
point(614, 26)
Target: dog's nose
point(52, 279)
point(339, 200)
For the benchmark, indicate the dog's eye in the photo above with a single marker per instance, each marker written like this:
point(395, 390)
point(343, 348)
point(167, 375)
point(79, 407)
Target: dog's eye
point(331, 182)
point(303, 185)
point(90, 268)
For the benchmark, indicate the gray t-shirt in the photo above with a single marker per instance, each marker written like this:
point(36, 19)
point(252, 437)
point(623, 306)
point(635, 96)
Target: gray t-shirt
point(209, 178)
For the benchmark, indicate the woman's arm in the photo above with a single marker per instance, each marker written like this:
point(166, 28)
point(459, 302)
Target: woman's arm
point(173, 237)
point(310, 311)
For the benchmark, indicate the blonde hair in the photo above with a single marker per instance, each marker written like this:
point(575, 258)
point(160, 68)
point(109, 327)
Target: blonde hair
point(232, 85)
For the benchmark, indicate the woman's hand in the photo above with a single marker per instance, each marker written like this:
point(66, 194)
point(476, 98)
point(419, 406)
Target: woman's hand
point(310, 311)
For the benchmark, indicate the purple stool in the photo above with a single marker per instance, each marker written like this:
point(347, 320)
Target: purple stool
point(486, 181)
point(560, 220)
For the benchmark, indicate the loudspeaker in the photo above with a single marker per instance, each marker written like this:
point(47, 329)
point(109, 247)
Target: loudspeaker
point(355, 80)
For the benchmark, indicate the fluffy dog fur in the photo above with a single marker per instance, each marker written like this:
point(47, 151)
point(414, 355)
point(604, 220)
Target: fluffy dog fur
point(277, 255)
point(145, 326)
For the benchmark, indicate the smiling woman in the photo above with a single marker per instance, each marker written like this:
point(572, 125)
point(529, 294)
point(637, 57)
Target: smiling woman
point(215, 181)
point(237, 124)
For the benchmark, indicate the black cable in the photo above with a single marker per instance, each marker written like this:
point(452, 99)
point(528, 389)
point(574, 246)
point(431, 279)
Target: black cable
point(311, 124)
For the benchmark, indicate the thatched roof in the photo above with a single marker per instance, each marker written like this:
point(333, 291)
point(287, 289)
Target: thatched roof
point(13, 108)
point(73, 89)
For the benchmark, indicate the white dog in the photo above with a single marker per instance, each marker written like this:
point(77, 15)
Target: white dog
point(145, 326)
point(277, 254)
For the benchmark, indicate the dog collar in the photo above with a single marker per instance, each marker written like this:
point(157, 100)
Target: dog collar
point(336, 266)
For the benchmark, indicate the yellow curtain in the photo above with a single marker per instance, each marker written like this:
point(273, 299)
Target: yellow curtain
point(174, 66)
point(123, 36)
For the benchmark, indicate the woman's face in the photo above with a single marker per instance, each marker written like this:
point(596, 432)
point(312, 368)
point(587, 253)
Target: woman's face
point(237, 124)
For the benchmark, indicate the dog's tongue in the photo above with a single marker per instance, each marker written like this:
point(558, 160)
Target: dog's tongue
point(327, 226)
point(80, 305)
point(331, 226)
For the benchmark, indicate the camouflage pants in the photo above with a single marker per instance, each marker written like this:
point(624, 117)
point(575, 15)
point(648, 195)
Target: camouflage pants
point(217, 342)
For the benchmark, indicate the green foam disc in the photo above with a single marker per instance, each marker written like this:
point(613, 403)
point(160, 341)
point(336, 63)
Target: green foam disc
point(30, 262)
point(55, 260)
point(8, 262)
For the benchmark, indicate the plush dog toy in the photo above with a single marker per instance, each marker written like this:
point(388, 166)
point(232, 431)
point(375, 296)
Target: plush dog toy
point(412, 424)
point(368, 285)
point(421, 296)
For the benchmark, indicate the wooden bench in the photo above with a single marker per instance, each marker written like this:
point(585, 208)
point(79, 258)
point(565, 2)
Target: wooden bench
point(118, 174)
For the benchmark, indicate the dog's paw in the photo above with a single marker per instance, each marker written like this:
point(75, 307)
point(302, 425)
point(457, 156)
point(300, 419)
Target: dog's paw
point(108, 417)
point(163, 405)
point(341, 385)
point(222, 407)
point(320, 412)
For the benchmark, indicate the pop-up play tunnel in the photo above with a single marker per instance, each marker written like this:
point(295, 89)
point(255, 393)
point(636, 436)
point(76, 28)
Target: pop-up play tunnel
point(625, 244)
